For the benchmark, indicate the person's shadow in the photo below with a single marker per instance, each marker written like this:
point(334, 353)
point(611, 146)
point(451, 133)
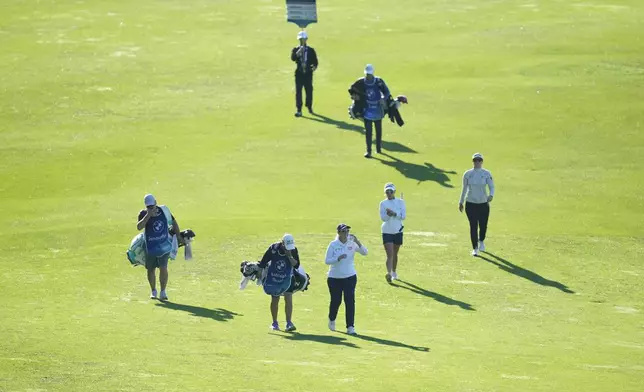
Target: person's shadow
point(392, 343)
point(217, 314)
point(337, 123)
point(386, 145)
point(342, 341)
point(420, 173)
point(435, 296)
point(514, 269)
point(326, 339)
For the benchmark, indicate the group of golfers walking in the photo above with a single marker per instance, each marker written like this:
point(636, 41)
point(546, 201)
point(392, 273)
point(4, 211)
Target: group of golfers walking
point(161, 228)
point(159, 225)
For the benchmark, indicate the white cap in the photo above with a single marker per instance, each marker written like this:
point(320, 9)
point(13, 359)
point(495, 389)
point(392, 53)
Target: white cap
point(477, 155)
point(368, 70)
point(302, 35)
point(390, 187)
point(289, 242)
point(149, 200)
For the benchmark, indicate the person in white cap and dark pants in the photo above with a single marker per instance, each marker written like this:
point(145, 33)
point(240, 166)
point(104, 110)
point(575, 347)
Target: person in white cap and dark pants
point(392, 212)
point(282, 255)
point(342, 277)
point(306, 61)
point(156, 222)
point(373, 91)
point(477, 202)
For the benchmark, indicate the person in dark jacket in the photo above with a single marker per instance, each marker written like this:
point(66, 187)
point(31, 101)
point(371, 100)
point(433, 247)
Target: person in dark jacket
point(306, 60)
point(372, 94)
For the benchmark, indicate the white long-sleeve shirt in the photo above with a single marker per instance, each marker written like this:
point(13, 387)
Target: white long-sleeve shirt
point(392, 224)
point(344, 268)
point(475, 182)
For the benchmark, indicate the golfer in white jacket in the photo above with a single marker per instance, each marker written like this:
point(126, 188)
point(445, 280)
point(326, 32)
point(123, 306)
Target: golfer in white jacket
point(342, 276)
point(392, 213)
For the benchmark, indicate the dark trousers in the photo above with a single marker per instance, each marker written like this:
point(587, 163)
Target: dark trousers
point(305, 80)
point(368, 126)
point(478, 215)
point(336, 288)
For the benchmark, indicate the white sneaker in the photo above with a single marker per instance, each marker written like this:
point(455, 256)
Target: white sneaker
point(153, 294)
point(351, 331)
point(164, 296)
point(475, 252)
point(481, 246)
point(394, 276)
point(332, 325)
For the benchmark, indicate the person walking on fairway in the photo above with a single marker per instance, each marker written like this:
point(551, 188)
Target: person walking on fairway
point(281, 258)
point(477, 202)
point(373, 91)
point(156, 222)
point(306, 61)
point(392, 213)
point(342, 277)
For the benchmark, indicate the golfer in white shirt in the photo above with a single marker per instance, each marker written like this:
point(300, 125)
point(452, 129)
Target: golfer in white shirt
point(342, 276)
point(392, 213)
point(477, 201)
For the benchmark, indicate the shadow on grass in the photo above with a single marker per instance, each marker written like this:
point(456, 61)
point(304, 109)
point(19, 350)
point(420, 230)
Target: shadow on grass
point(337, 123)
point(420, 173)
point(435, 296)
point(392, 343)
point(217, 314)
point(342, 341)
point(326, 339)
point(514, 269)
point(389, 146)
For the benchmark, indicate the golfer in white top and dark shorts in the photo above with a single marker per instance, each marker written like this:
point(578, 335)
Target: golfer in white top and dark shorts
point(477, 201)
point(342, 276)
point(392, 213)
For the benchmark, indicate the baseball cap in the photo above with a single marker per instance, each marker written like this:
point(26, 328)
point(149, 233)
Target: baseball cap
point(149, 200)
point(477, 155)
point(343, 227)
point(390, 187)
point(302, 35)
point(289, 242)
point(368, 70)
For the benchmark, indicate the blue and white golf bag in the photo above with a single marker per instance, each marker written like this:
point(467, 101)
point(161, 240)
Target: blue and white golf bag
point(274, 280)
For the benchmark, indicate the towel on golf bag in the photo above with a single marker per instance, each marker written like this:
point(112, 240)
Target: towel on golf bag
point(136, 253)
point(187, 236)
point(251, 271)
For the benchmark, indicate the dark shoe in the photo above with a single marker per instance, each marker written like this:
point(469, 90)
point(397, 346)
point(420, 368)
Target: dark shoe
point(310, 109)
point(367, 154)
point(298, 114)
point(379, 151)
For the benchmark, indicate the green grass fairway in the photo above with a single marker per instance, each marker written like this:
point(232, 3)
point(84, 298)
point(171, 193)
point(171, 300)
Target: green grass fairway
point(102, 102)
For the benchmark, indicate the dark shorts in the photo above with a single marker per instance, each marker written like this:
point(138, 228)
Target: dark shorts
point(152, 262)
point(396, 239)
